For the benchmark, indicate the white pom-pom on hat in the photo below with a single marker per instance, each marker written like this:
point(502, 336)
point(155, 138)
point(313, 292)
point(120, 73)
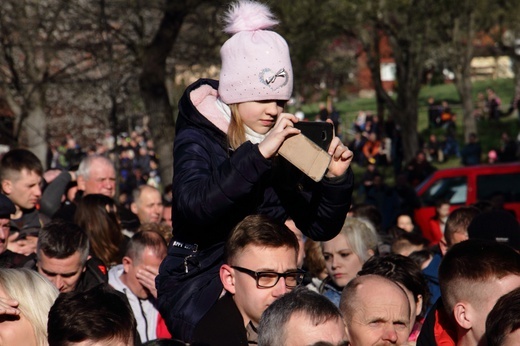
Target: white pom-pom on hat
point(248, 15)
point(256, 64)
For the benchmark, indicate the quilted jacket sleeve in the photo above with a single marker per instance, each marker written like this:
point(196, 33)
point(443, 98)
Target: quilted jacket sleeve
point(207, 183)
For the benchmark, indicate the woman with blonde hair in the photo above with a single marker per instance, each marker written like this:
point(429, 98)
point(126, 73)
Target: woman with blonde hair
point(25, 300)
point(345, 254)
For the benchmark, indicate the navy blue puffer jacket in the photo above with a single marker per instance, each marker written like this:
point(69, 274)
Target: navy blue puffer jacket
point(215, 187)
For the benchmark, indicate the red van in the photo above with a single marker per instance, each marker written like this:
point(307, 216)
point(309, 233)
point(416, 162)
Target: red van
point(467, 185)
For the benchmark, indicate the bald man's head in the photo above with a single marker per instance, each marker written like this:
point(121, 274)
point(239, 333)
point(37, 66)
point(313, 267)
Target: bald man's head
point(376, 310)
point(147, 204)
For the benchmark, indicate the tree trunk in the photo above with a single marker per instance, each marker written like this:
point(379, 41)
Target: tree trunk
point(407, 118)
point(463, 32)
point(516, 71)
point(464, 88)
point(162, 126)
point(409, 134)
point(153, 87)
point(35, 129)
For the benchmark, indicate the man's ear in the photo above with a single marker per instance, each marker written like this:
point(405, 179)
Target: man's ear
point(133, 208)
point(80, 180)
point(462, 314)
point(419, 304)
point(227, 276)
point(443, 245)
point(7, 186)
point(346, 331)
point(127, 262)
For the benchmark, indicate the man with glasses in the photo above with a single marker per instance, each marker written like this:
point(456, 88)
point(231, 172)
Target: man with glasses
point(261, 266)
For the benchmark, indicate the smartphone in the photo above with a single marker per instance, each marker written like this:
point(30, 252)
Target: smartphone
point(320, 132)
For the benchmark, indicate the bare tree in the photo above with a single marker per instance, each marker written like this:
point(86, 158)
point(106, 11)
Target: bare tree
point(30, 31)
point(408, 26)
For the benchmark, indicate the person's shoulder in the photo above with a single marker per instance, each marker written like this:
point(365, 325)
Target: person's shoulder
point(9, 259)
point(215, 330)
point(96, 272)
point(196, 92)
point(438, 327)
point(97, 265)
point(203, 81)
point(225, 305)
point(65, 212)
point(30, 223)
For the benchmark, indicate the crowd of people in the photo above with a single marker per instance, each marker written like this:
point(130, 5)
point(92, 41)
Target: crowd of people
point(380, 144)
point(242, 248)
point(74, 245)
point(376, 148)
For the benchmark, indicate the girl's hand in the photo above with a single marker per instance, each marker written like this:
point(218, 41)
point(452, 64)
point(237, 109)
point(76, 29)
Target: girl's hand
point(283, 128)
point(9, 306)
point(341, 158)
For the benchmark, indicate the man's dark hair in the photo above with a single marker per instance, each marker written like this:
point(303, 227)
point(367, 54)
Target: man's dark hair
point(100, 314)
point(504, 318)
point(421, 256)
point(404, 239)
point(259, 230)
point(16, 160)
point(471, 262)
point(370, 213)
point(61, 239)
point(319, 309)
point(441, 201)
point(145, 239)
point(402, 270)
point(458, 221)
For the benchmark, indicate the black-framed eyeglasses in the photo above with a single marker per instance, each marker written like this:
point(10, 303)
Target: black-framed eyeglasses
point(270, 279)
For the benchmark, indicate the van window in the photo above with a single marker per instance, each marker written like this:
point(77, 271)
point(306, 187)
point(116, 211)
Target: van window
point(453, 189)
point(507, 185)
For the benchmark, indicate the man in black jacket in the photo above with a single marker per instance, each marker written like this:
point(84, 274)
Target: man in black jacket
point(62, 256)
point(101, 316)
point(8, 259)
point(261, 266)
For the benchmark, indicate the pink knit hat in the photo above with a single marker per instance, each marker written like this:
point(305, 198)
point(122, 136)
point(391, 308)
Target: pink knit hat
point(256, 64)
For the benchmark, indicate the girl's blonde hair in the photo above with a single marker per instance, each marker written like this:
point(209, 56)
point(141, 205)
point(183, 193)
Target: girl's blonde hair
point(361, 236)
point(236, 131)
point(35, 295)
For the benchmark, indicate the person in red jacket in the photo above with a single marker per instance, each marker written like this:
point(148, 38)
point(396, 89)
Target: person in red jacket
point(473, 275)
point(438, 222)
point(371, 148)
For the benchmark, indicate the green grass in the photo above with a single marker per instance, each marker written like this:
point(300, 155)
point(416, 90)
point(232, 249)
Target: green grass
point(488, 132)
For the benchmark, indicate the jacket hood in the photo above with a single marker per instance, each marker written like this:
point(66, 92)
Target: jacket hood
point(198, 109)
point(114, 277)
